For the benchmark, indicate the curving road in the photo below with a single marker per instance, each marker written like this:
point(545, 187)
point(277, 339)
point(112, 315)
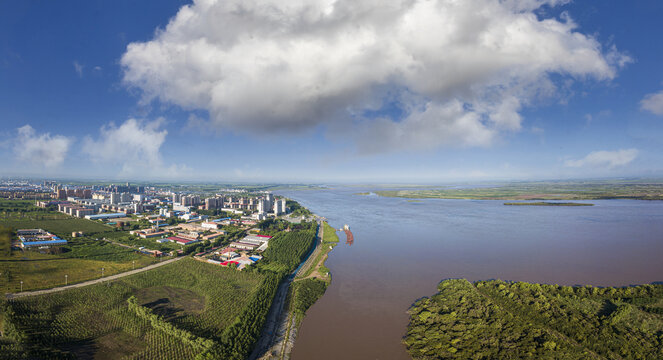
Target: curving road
point(91, 282)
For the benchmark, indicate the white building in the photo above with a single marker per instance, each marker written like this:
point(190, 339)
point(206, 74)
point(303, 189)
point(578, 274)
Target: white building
point(178, 207)
point(279, 207)
point(209, 225)
point(115, 198)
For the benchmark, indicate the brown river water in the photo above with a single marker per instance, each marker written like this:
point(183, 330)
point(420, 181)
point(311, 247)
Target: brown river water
point(402, 249)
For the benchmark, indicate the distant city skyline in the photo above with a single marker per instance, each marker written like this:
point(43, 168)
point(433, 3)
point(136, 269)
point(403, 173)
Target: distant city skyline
point(331, 91)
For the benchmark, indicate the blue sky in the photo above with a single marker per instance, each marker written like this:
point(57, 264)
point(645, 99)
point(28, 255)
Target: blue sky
point(329, 91)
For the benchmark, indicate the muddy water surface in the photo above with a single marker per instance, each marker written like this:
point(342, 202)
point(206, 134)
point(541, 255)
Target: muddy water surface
point(402, 249)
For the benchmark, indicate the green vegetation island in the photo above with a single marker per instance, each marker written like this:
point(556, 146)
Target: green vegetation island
point(545, 203)
point(557, 190)
point(516, 320)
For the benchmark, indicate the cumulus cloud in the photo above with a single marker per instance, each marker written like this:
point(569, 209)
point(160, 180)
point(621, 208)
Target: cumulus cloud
point(135, 146)
point(40, 149)
point(653, 103)
point(605, 159)
point(462, 70)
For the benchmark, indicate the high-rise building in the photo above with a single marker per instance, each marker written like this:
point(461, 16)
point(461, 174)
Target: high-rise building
point(282, 205)
point(62, 194)
point(176, 198)
point(262, 206)
point(115, 198)
point(269, 202)
point(125, 197)
point(279, 207)
point(213, 203)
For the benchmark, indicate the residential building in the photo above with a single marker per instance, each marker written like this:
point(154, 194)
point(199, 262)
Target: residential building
point(125, 197)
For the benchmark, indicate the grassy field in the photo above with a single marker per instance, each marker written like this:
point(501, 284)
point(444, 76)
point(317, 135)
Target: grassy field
point(60, 227)
point(329, 241)
point(572, 190)
point(26, 210)
point(23, 214)
point(190, 297)
point(81, 259)
point(41, 271)
point(5, 241)
point(504, 320)
point(185, 310)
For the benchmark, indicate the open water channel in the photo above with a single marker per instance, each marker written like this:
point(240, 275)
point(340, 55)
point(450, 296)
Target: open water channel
point(402, 249)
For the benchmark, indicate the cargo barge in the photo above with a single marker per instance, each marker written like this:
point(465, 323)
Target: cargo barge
point(350, 239)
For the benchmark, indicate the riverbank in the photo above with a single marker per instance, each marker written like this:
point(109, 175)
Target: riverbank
point(570, 190)
point(303, 290)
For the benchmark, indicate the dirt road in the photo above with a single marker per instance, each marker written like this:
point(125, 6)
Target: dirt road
point(90, 282)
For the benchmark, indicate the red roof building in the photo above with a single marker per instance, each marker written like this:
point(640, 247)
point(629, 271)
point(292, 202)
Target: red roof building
point(181, 241)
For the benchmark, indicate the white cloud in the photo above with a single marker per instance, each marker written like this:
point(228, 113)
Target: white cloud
point(198, 125)
point(426, 129)
point(462, 70)
point(40, 149)
point(653, 103)
point(605, 159)
point(135, 147)
point(78, 68)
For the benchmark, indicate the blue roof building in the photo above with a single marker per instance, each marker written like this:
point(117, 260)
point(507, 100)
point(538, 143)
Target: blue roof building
point(55, 242)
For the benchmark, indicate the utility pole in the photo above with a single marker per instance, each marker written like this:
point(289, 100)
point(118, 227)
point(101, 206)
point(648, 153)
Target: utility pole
point(134, 264)
point(66, 279)
point(102, 272)
point(21, 285)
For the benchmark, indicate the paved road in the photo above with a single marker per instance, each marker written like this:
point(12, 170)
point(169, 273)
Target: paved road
point(309, 262)
point(96, 281)
point(276, 315)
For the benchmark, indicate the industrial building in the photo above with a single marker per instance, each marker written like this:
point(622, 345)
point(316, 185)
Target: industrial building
point(105, 216)
point(38, 238)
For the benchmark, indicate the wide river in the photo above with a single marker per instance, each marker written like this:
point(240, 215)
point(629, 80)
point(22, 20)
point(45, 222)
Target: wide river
point(402, 249)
